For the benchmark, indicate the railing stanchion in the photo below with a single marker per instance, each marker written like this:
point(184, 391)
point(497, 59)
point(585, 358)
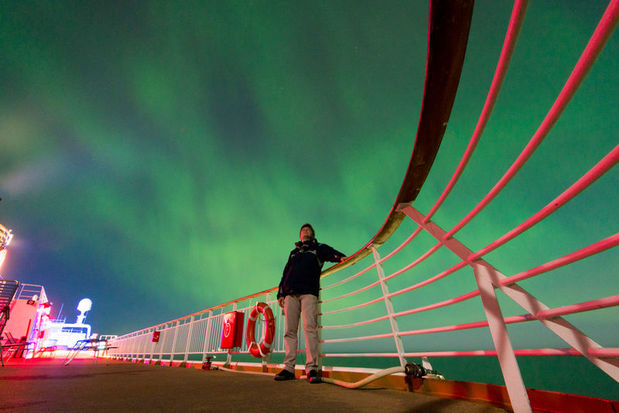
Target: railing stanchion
point(266, 358)
point(394, 324)
point(191, 322)
point(141, 349)
point(152, 346)
point(133, 348)
point(173, 342)
point(318, 324)
point(207, 335)
point(146, 346)
point(160, 343)
point(138, 345)
point(229, 352)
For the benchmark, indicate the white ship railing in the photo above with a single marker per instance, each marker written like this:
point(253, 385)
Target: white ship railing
point(403, 325)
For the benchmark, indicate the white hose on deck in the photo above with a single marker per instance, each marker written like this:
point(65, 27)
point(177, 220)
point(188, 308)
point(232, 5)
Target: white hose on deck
point(365, 381)
point(242, 371)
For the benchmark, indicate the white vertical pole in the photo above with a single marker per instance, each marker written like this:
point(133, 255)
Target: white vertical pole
point(266, 358)
point(142, 347)
point(207, 335)
point(191, 322)
point(229, 355)
point(173, 342)
point(394, 324)
point(279, 327)
point(152, 345)
point(318, 324)
point(160, 343)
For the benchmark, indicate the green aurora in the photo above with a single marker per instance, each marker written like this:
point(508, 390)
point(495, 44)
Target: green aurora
point(159, 157)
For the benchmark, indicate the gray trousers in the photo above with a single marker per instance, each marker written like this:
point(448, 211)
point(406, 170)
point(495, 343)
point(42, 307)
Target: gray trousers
point(295, 306)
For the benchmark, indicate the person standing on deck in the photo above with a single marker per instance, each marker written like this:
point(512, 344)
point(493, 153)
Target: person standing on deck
point(298, 294)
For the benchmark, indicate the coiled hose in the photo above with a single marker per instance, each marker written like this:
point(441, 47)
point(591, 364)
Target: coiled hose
point(365, 381)
point(411, 369)
point(260, 373)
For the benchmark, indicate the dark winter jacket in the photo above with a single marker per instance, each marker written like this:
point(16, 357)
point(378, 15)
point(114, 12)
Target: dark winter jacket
point(302, 272)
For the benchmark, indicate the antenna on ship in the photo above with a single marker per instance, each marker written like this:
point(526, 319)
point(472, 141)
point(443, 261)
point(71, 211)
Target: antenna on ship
point(59, 311)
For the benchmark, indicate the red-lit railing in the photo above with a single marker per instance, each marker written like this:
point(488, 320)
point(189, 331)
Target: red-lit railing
point(348, 332)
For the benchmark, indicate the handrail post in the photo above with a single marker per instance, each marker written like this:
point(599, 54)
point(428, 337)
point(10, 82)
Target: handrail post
point(207, 340)
point(161, 340)
point(229, 353)
point(173, 342)
point(131, 347)
point(152, 345)
point(141, 348)
point(137, 346)
point(145, 347)
point(191, 322)
point(394, 324)
point(266, 358)
point(319, 332)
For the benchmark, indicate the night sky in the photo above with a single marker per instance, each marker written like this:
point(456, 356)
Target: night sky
point(159, 157)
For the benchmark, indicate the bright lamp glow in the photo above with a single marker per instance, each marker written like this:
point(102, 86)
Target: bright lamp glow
point(5, 236)
point(2, 257)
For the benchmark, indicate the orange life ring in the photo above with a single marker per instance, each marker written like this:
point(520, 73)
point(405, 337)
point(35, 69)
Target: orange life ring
point(260, 350)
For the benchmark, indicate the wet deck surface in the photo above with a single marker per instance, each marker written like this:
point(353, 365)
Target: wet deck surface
point(111, 386)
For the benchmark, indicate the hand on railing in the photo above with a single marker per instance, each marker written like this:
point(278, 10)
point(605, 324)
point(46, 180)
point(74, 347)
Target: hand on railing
point(281, 301)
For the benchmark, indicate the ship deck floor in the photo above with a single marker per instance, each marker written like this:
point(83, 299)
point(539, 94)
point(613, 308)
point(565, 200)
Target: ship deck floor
point(40, 385)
